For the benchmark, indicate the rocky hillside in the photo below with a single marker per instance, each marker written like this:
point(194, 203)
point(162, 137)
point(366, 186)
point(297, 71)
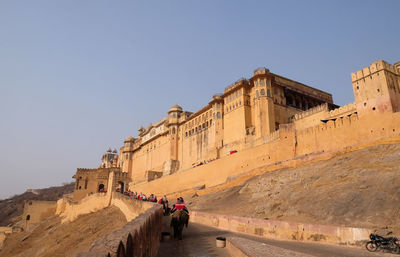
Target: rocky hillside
point(12, 208)
point(360, 189)
point(53, 239)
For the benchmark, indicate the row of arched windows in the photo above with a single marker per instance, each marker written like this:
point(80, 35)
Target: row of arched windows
point(233, 96)
point(233, 106)
point(198, 120)
point(262, 93)
point(198, 129)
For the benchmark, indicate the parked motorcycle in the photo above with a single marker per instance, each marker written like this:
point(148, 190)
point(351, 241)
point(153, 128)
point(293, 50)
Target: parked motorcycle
point(381, 243)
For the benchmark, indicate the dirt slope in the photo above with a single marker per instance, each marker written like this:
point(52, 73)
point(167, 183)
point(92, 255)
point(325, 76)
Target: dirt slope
point(12, 208)
point(53, 239)
point(360, 189)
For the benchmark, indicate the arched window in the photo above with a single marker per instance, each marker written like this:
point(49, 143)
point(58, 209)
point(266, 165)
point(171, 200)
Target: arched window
point(218, 115)
point(262, 92)
point(268, 93)
point(28, 217)
point(86, 182)
point(121, 187)
point(101, 188)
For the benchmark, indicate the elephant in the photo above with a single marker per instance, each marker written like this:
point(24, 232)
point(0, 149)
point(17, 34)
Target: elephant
point(180, 218)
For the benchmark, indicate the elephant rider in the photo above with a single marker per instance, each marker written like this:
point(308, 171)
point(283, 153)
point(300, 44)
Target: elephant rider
point(180, 205)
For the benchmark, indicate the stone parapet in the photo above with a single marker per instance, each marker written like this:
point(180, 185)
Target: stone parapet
point(319, 108)
point(241, 247)
point(139, 237)
point(344, 110)
point(283, 230)
point(373, 68)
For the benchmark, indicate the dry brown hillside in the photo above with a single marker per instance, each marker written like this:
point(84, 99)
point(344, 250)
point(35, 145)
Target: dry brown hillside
point(53, 239)
point(360, 189)
point(12, 208)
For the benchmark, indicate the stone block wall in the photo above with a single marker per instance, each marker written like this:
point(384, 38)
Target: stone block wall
point(285, 230)
point(139, 237)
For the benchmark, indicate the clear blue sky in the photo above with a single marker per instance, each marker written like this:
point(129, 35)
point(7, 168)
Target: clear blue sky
point(79, 76)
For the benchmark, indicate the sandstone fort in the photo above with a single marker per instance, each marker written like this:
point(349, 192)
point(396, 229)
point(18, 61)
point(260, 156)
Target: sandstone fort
point(253, 131)
point(266, 119)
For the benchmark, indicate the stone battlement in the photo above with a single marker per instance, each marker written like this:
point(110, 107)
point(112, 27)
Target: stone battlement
point(319, 108)
point(374, 68)
point(347, 109)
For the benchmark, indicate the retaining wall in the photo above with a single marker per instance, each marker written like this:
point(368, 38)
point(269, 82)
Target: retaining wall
point(139, 237)
point(282, 229)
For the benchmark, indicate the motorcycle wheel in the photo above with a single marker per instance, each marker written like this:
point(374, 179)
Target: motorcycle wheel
point(371, 246)
point(396, 249)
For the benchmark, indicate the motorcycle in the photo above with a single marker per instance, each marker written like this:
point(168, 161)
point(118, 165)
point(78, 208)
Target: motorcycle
point(378, 242)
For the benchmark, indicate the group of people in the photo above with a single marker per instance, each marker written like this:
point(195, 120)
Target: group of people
point(202, 162)
point(179, 205)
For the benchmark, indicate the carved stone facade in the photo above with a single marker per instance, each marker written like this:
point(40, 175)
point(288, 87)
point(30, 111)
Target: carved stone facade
point(250, 110)
point(282, 118)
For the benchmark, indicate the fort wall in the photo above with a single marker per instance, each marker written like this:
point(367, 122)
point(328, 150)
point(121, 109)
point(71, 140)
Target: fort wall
point(139, 237)
point(37, 211)
point(283, 145)
point(69, 210)
point(4, 231)
point(283, 230)
point(255, 123)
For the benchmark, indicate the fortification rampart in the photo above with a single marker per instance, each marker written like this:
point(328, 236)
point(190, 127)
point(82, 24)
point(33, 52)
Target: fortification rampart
point(36, 211)
point(373, 68)
point(291, 144)
point(4, 231)
point(319, 108)
point(344, 110)
point(139, 237)
point(70, 210)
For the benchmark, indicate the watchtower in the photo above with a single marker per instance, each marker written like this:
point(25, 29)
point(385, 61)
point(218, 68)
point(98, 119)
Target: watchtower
point(264, 112)
point(174, 115)
point(377, 88)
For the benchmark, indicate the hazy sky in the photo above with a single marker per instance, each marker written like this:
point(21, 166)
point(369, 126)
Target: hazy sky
point(79, 76)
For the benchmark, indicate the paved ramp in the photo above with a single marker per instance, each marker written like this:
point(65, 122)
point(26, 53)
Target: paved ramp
point(199, 241)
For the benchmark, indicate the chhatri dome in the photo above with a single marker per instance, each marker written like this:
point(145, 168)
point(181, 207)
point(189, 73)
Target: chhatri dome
point(175, 108)
point(129, 139)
